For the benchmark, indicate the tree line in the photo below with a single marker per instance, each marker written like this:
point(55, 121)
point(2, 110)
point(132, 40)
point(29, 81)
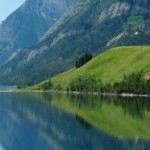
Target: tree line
point(132, 83)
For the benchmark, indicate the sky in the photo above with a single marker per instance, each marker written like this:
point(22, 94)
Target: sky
point(8, 6)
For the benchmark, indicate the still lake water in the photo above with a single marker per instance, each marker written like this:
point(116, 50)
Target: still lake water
point(37, 121)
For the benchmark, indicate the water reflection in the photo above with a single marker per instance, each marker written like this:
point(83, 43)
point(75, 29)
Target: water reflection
point(134, 106)
point(29, 121)
point(83, 122)
point(118, 116)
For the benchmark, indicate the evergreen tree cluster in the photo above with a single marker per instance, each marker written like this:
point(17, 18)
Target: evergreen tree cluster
point(83, 59)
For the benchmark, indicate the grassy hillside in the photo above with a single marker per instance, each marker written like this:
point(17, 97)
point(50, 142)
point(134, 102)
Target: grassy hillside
point(109, 66)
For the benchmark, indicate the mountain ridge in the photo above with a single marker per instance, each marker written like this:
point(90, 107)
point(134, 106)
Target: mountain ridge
point(89, 26)
point(28, 23)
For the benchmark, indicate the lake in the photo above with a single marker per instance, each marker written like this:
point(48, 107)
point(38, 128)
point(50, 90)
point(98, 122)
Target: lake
point(44, 121)
point(4, 88)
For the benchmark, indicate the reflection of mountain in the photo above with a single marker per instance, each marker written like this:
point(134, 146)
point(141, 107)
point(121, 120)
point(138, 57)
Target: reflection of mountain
point(31, 124)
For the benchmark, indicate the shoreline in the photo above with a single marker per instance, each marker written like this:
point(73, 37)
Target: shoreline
point(75, 93)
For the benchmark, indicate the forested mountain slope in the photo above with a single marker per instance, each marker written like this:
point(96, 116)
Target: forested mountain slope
point(88, 26)
point(27, 24)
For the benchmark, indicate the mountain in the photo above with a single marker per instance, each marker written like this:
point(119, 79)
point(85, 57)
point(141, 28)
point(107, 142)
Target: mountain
point(27, 24)
point(88, 26)
point(109, 66)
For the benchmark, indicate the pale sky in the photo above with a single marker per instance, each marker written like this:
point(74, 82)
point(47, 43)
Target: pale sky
point(8, 6)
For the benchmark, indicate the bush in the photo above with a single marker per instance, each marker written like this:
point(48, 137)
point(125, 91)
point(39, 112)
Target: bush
point(86, 84)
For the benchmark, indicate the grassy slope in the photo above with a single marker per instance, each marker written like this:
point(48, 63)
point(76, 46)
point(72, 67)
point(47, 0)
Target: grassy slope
point(110, 66)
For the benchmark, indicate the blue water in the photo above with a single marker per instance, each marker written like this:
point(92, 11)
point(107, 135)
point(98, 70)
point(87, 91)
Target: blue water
point(3, 88)
point(29, 122)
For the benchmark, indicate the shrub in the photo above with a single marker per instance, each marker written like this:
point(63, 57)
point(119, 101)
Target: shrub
point(86, 84)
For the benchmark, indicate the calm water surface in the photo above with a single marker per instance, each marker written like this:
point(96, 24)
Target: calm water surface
point(37, 121)
point(3, 88)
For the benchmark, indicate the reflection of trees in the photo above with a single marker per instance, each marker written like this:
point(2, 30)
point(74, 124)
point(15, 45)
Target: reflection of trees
point(58, 126)
point(136, 107)
point(86, 101)
point(47, 96)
